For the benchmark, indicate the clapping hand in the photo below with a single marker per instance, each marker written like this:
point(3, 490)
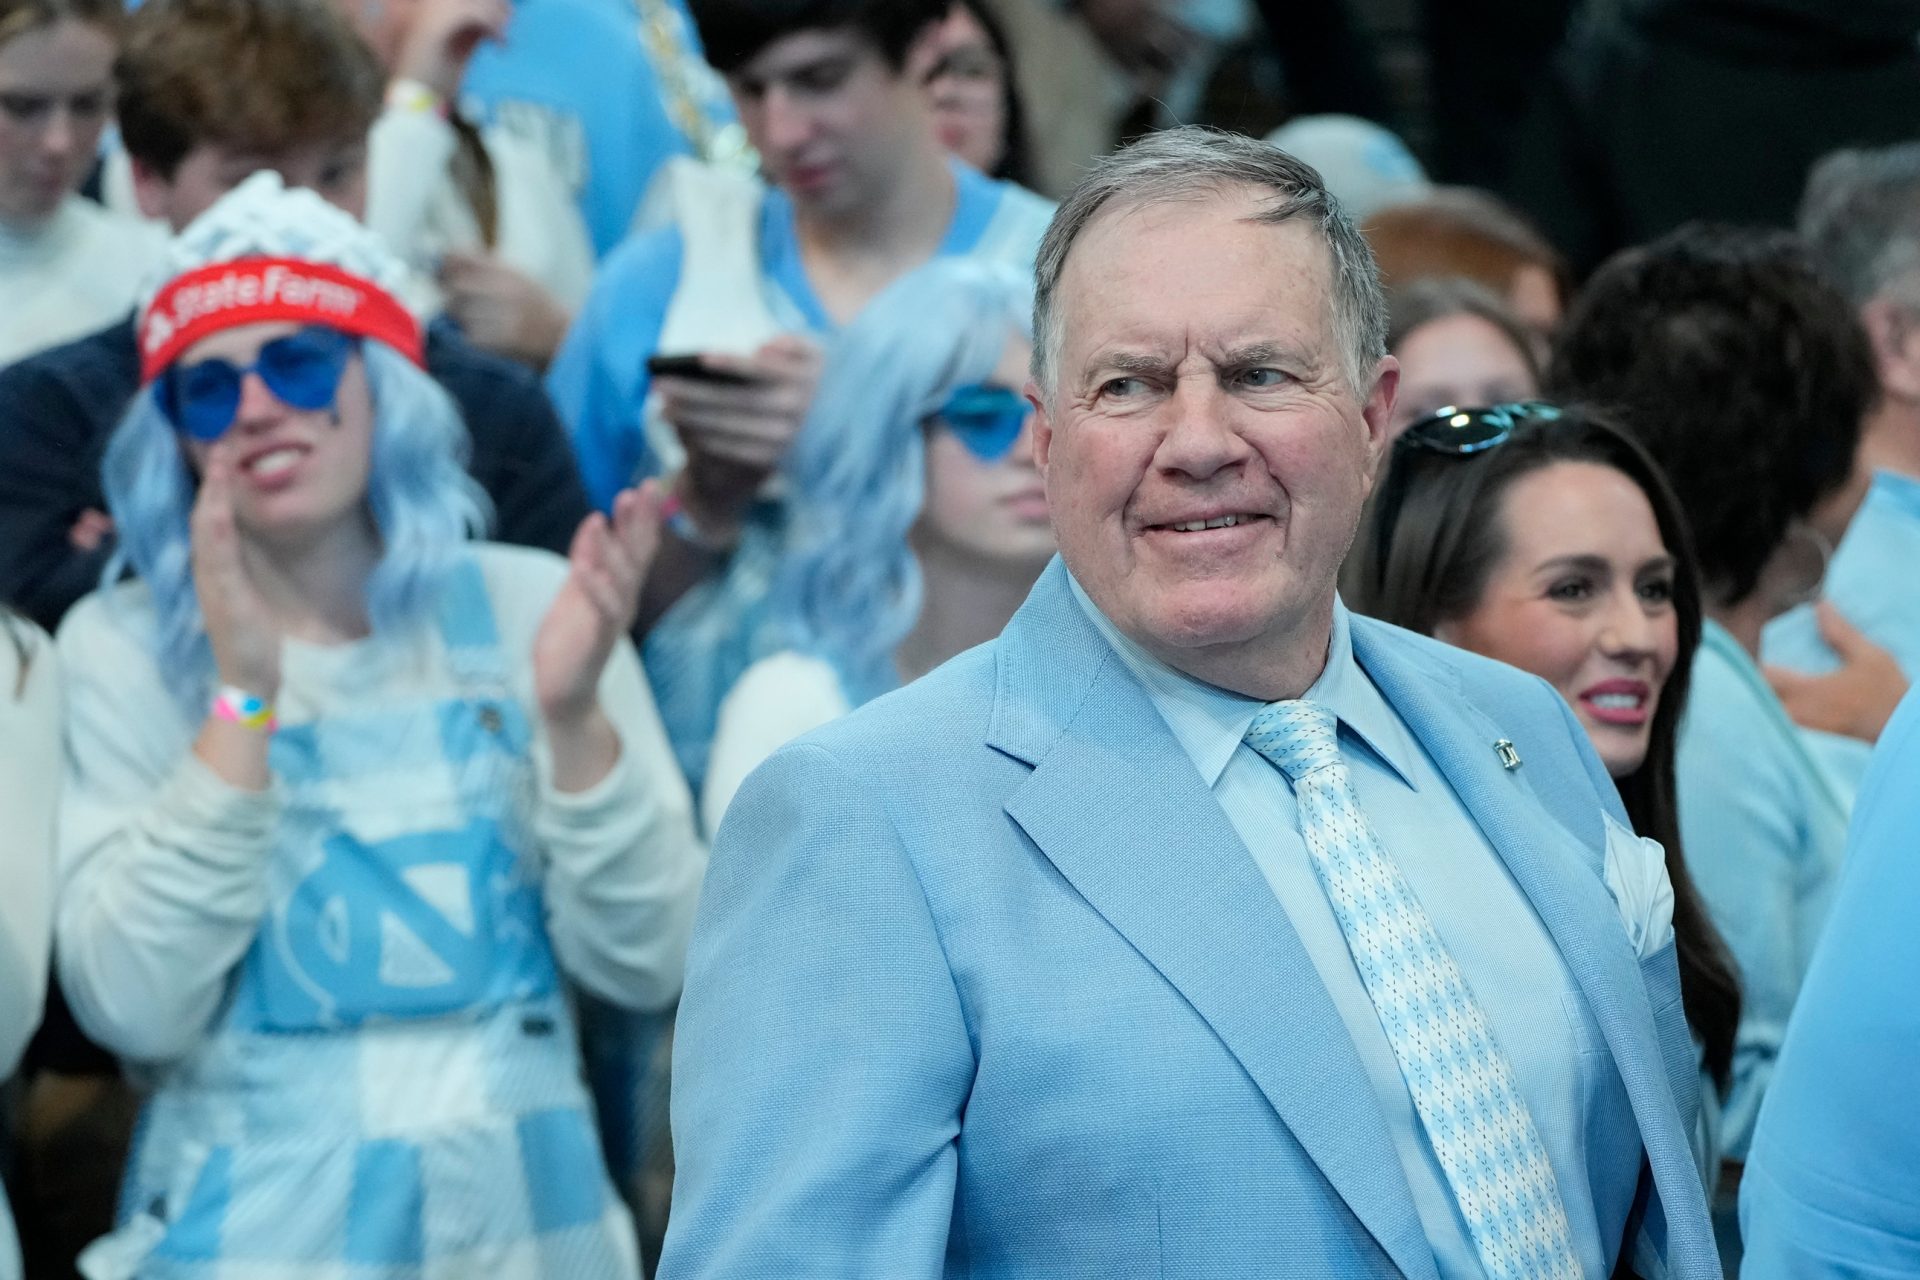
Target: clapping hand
point(595, 608)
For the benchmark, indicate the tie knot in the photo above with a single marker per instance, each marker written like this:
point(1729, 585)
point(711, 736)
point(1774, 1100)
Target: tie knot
point(1298, 737)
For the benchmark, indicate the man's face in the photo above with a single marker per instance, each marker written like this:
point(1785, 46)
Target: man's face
point(1204, 458)
point(336, 171)
point(831, 119)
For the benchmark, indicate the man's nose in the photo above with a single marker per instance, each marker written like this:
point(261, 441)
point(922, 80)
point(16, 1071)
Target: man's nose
point(1200, 438)
point(786, 121)
point(61, 133)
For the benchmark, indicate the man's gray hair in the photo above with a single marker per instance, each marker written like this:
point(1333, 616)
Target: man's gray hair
point(1861, 217)
point(1190, 163)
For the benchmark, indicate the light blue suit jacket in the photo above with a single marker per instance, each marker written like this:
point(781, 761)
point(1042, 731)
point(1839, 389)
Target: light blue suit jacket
point(984, 984)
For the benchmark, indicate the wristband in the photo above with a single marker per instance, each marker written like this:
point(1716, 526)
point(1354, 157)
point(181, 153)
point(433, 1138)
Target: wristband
point(411, 95)
point(674, 517)
point(237, 706)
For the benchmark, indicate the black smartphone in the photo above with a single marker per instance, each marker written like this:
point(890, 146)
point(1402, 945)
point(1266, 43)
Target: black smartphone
point(691, 367)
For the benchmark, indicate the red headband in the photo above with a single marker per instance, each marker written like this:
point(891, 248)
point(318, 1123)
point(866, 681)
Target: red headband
point(249, 290)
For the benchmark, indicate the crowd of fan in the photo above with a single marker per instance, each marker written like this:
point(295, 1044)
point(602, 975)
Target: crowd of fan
point(729, 304)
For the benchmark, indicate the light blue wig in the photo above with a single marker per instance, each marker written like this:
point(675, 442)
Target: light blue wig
point(424, 506)
point(847, 587)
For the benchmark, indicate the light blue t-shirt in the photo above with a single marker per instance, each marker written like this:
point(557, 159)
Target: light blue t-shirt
point(1874, 581)
point(1531, 1001)
point(599, 380)
point(580, 79)
point(1832, 1184)
point(1764, 828)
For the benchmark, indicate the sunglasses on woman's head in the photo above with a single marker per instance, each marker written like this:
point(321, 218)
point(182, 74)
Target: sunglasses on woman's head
point(986, 419)
point(1463, 431)
point(303, 369)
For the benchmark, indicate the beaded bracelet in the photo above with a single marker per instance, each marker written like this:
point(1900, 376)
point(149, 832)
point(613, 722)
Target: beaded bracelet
point(237, 706)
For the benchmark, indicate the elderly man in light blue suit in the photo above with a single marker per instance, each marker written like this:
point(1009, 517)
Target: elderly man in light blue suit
point(1193, 928)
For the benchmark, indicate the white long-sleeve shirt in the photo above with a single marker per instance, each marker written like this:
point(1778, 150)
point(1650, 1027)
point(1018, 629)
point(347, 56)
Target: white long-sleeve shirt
point(163, 865)
point(29, 791)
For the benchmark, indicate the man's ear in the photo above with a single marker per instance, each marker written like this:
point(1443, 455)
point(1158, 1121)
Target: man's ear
point(152, 192)
point(1377, 412)
point(1893, 329)
point(1042, 427)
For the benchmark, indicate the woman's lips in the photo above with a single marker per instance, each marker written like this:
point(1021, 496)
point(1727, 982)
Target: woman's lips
point(1620, 702)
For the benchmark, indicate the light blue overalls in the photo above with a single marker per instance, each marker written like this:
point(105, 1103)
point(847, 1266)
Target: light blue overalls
point(392, 1090)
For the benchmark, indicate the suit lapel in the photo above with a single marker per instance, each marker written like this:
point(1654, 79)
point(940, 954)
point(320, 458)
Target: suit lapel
point(1117, 808)
point(1552, 867)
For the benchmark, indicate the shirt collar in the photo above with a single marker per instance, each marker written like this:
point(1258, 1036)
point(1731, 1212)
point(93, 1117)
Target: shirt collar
point(1209, 722)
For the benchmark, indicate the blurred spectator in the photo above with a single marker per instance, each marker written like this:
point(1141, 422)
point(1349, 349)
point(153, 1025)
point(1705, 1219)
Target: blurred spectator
point(350, 794)
point(30, 769)
point(1861, 216)
point(1485, 63)
point(298, 94)
point(1746, 377)
point(747, 280)
point(1833, 1185)
point(976, 100)
point(1661, 111)
point(482, 217)
point(1366, 166)
point(66, 264)
point(1458, 231)
point(606, 98)
point(1457, 345)
point(918, 520)
point(1549, 539)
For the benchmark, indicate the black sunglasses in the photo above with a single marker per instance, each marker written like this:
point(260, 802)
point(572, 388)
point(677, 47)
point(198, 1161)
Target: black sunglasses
point(1459, 432)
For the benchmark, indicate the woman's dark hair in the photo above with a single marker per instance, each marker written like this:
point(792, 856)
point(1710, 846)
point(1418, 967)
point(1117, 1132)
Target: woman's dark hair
point(1744, 373)
point(1437, 297)
point(1014, 165)
point(734, 32)
point(1437, 535)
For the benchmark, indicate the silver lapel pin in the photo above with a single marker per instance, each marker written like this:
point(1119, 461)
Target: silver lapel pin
point(1509, 757)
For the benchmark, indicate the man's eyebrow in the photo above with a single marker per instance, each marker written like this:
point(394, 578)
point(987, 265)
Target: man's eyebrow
point(1127, 362)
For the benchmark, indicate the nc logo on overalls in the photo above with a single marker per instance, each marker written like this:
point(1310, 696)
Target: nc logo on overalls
point(422, 925)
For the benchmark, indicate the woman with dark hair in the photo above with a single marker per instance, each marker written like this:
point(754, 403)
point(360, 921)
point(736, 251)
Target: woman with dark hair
point(1457, 344)
point(1548, 539)
point(1746, 376)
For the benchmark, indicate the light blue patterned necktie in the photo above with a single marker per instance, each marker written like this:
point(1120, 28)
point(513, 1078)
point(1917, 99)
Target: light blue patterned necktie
point(1461, 1082)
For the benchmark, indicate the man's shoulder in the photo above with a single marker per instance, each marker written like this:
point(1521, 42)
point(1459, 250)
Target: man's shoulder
point(1483, 682)
point(937, 718)
point(94, 376)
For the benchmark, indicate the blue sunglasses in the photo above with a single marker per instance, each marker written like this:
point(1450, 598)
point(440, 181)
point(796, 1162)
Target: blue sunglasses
point(303, 369)
point(986, 419)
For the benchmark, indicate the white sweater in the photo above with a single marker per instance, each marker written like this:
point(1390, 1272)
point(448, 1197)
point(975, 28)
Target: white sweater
point(79, 271)
point(29, 791)
point(163, 865)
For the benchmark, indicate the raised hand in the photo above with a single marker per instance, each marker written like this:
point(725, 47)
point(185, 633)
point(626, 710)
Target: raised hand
point(442, 39)
point(502, 309)
point(1858, 698)
point(595, 608)
point(245, 639)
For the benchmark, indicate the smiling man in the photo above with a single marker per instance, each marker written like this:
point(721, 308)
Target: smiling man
point(1193, 926)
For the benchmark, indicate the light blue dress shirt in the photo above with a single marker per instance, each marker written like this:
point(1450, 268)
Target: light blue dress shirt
point(1764, 828)
point(1541, 1021)
point(1833, 1181)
